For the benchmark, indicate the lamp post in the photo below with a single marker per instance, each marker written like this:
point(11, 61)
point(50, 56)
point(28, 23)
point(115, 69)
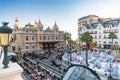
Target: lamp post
point(110, 76)
point(118, 51)
point(99, 48)
point(19, 53)
point(5, 32)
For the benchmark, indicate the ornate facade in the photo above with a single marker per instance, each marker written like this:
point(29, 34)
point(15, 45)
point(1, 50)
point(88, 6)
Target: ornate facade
point(34, 38)
point(100, 28)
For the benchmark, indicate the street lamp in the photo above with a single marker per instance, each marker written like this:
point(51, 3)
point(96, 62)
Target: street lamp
point(110, 76)
point(5, 32)
point(118, 51)
point(99, 48)
point(19, 53)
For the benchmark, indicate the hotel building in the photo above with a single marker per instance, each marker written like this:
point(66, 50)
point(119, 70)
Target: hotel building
point(34, 38)
point(100, 28)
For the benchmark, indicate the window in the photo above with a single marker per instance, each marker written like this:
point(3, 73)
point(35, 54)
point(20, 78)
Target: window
point(95, 37)
point(40, 37)
point(100, 36)
point(30, 30)
point(105, 37)
point(26, 30)
point(27, 38)
point(27, 47)
point(48, 37)
point(104, 42)
point(58, 44)
point(116, 42)
point(95, 32)
point(44, 37)
point(56, 38)
point(32, 37)
point(52, 37)
point(110, 42)
point(33, 47)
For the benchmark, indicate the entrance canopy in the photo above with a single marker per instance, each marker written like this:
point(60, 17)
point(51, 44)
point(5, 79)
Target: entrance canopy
point(49, 45)
point(80, 72)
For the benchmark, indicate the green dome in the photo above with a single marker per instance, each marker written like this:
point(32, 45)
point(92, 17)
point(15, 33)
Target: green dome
point(5, 29)
point(48, 29)
point(29, 25)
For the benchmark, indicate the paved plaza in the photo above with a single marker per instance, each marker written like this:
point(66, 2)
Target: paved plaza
point(54, 65)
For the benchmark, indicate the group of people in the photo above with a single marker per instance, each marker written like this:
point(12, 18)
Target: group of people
point(99, 59)
point(31, 70)
point(35, 72)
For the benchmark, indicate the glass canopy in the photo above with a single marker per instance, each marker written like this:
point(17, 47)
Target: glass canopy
point(79, 72)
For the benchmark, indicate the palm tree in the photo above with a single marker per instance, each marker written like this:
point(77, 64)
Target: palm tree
point(67, 37)
point(86, 37)
point(73, 42)
point(112, 36)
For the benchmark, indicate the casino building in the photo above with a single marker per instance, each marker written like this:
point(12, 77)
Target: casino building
point(34, 38)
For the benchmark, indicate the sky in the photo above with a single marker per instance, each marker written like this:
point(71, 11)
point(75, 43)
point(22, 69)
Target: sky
point(64, 12)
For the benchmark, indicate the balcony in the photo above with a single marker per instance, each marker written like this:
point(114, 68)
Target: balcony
point(49, 40)
point(30, 41)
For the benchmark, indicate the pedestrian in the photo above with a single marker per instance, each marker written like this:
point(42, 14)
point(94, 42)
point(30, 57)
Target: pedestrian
point(1, 53)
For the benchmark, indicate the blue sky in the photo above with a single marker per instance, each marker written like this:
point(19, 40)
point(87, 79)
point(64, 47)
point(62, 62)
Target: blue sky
point(64, 12)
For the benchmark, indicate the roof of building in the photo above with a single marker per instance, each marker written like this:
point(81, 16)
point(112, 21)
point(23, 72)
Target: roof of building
point(40, 24)
point(29, 25)
point(111, 23)
point(55, 27)
point(81, 18)
point(16, 20)
point(48, 29)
